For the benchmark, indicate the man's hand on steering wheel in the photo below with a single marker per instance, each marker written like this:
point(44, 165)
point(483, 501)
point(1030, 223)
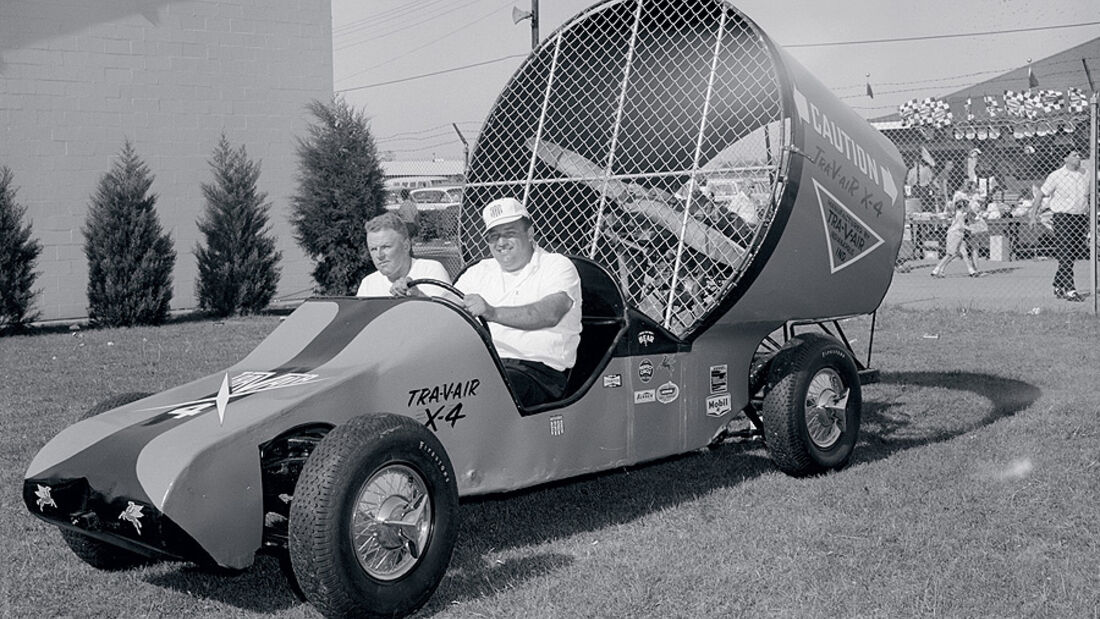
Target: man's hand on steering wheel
point(476, 305)
point(464, 300)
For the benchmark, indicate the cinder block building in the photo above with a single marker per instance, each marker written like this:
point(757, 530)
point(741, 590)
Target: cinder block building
point(78, 78)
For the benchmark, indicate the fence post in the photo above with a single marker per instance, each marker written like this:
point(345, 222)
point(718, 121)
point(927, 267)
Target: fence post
point(1093, 190)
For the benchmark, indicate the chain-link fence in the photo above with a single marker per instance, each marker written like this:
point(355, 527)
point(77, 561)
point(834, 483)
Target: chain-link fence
point(1010, 186)
point(645, 136)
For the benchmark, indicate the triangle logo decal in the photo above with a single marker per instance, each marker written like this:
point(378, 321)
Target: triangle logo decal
point(847, 236)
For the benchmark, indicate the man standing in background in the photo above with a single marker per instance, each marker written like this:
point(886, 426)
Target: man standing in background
point(1066, 192)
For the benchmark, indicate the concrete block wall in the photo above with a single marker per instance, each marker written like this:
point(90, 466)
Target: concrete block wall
point(77, 78)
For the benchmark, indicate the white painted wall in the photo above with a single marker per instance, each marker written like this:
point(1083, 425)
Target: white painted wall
point(78, 77)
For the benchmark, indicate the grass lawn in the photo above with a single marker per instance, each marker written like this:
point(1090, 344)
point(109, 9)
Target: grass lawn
point(974, 492)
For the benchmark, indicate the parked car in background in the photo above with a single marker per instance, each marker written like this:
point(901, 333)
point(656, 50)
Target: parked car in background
point(436, 198)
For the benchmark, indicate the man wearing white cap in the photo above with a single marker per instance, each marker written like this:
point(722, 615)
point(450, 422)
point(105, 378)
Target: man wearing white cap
point(532, 301)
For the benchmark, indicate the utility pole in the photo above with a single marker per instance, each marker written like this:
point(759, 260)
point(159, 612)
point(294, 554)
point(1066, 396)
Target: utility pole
point(534, 24)
point(519, 15)
point(465, 149)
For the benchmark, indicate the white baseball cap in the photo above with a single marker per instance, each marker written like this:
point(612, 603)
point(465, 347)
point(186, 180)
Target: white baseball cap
point(503, 211)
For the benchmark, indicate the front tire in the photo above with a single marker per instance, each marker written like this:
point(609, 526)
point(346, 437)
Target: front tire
point(374, 518)
point(812, 406)
point(94, 552)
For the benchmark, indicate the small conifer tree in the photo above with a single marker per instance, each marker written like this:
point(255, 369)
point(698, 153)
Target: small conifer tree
point(130, 258)
point(18, 253)
point(238, 269)
point(340, 187)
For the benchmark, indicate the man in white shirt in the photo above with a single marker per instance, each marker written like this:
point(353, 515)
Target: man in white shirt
point(391, 251)
point(532, 301)
point(1066, 193)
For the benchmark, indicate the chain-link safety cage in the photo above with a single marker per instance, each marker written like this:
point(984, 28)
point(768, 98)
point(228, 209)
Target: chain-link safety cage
point(646, 135)
point(987, 166)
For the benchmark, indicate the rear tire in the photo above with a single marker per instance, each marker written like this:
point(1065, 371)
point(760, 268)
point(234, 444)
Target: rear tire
point(812, 406)
point(374, 518)
point(94, 552)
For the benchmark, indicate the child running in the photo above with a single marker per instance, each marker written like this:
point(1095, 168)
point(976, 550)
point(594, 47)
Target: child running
point(958, 239)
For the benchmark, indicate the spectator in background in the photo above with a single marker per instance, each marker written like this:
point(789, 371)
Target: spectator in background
point(1066, 193)
point(919, 179)
point(958, 239)
point(410, 214)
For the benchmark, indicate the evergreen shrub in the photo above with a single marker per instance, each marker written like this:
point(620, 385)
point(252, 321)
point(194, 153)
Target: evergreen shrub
point(130, 258)
point(340, 187)
point(238, 265)
point(18, 254)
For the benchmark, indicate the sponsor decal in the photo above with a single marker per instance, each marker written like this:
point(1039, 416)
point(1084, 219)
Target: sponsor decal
point(719, 378)
point(645, 338)
point(612, 381)
point(668, 362)
point(645, 396)
point(848, 237)
point(718, 405)
point(245, 383)
point(668, 392)
point(45, 497)
point(645, 370)
point(557, 425)
point(448, 396)
point(132, 514)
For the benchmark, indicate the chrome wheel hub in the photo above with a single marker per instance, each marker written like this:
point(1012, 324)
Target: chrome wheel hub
point(391, 522)
point(826, 404)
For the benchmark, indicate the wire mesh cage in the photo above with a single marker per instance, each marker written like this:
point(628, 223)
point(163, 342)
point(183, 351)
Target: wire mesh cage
point(648, 136)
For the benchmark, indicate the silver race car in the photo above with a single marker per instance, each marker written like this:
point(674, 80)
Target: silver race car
point(344, 441)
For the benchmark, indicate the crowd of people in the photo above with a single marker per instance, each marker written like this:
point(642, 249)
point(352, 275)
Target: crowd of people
point(1061, 202)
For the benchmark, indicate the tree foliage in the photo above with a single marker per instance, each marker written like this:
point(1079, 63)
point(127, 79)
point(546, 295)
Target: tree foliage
point(340, 187)
point(18, 254)
point(238, 266)
point(130, 258)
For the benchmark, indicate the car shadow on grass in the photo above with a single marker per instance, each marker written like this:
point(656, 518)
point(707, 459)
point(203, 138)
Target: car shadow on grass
point(261, 588)
point(491, 526)
point(896, 417)
point(908, 417)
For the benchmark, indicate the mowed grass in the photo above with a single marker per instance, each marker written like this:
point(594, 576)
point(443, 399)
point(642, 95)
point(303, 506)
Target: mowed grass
point(974, 492)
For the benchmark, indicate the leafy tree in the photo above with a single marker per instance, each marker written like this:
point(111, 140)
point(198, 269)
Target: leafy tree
point(18, 253)
point(238, 269)
point(340, 187)
point(130, 258)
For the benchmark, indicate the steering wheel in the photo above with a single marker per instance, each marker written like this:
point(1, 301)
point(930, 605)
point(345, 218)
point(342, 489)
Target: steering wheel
point(412, 283)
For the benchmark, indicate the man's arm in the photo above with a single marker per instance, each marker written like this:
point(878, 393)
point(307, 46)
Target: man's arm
point(542, 314)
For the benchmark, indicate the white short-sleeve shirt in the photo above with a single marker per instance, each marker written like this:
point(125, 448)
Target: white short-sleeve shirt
point(1067, 192)
point(544, 275)
point(377, 285)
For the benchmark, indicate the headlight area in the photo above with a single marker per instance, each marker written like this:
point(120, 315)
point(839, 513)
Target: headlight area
point(132, 525)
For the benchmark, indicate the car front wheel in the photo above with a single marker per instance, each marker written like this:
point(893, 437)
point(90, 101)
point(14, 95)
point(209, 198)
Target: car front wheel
point(373, 518)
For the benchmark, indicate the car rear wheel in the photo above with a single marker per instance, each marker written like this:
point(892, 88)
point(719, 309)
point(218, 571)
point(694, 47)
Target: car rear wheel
point(812, 406)
point(92, 551)
point(373, 519)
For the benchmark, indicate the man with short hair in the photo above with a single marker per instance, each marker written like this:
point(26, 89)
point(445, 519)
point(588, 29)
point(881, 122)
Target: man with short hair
point(532, 301)
point(390, 249)
point(1066, 191)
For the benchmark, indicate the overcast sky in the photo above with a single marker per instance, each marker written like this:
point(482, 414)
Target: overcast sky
point(380, 41)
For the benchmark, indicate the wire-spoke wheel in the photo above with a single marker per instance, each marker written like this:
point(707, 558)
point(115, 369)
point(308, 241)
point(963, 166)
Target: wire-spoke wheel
point(826, 403)
point(812, 406)
point(392, 521)
point(373, 519)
